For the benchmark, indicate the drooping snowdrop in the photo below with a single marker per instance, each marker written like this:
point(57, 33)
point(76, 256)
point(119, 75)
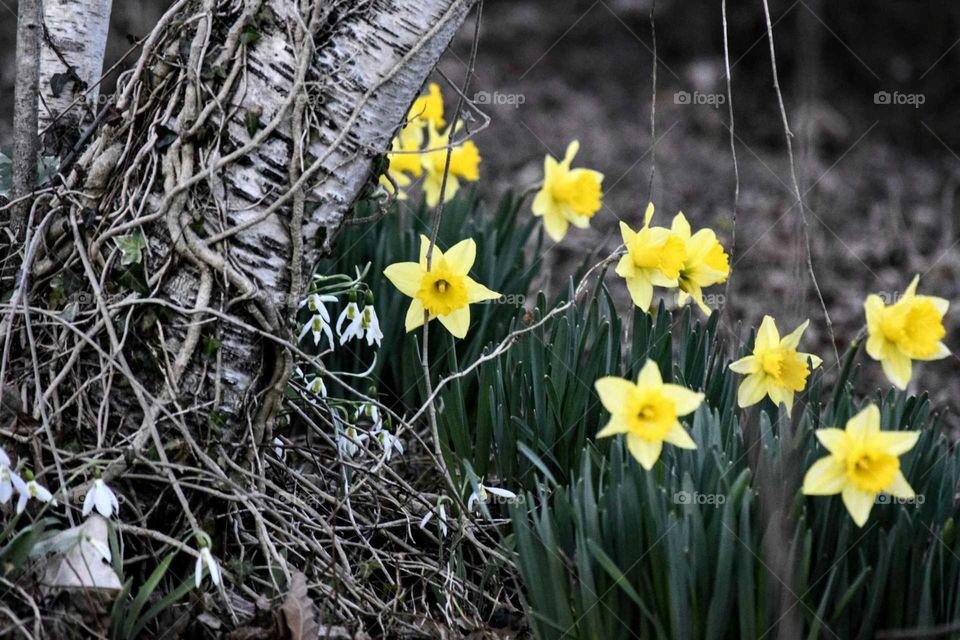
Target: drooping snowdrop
point(101, 497)
point(370, 411)
point(319, 322)
point(280, 449)
point(442, 523)
point(355, 327)
point(319, 327)
point(28, 488)
point(206, 559)
point(349, 441)
point(317, 386)
point(6, 477)
point(389, 442)
point(371, 325)
point(482, 495)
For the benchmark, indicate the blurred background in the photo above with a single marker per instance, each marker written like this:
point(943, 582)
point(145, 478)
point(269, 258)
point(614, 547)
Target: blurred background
point(870, 91)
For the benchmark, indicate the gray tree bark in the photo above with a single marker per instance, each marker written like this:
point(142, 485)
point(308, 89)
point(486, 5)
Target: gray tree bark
point(244, 135)
point(71, 62)
point(25, 144)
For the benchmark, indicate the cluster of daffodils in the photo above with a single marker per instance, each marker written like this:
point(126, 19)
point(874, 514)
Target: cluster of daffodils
point(421, 149)
point(863, 460)
point(673, 258)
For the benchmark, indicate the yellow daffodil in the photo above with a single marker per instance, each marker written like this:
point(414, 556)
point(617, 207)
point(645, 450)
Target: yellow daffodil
point(568, 196)
point(647, 412)
point(776, 368)
point(705, 263)
point(909, 329)
point(428, 108)
point(445, 290)
point(464, 164)
point(402, 163)
point(863, 463)
point(654, 257)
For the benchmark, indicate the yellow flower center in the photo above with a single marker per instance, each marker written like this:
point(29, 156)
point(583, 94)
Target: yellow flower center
point(580, 190)
point(667, 256)
point(914, 325)
point(651, 415)
point(871, 469)
point(718, 260)
point(786, 367)
point(442, 291)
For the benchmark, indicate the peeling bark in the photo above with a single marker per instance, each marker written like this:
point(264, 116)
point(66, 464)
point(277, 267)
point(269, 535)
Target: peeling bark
point(243, 139)
point(71, 63)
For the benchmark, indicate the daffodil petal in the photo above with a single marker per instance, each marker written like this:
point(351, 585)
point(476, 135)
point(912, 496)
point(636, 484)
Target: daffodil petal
point(833, 440)
point(614, 427)
point(898, 368)
point(826, 477)
point(641, 292)
point(680, 226)
point(767, 335)
point(614, 393)
point(457, 322)
point(873, 308)
point(405, 276)
point(752, 390)
point(477, 292)
point(685, 400)
point(649, 375)
point(858, 503)
point(865, 423)
point(792, 340)
point(942, 305)
point(646, 452)
point(897, 443)
point(461, 256)
point(942, 352)
point(901, 488)
point(555, 224)
point(744, 365)
point(679, 437)
point(414, 317)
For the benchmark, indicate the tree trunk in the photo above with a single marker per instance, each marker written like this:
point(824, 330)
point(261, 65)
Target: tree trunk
point(241, 139)
point(71, 62)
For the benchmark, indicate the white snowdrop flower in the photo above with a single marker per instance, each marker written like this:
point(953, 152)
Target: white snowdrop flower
point(6, 477)
point(319, 327)
point(371, 411)
point(314, 302)
point(355, 328)
point(206, 559)
point(371, 325)
point(317, 387)
point(481, 495)
point(102, 497)
point(442, 525)
point(349, 441)
point(389, 442)
point(30, 489)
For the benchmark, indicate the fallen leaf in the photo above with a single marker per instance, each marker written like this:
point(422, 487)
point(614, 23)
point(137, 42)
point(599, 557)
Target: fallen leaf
point(298, 610)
